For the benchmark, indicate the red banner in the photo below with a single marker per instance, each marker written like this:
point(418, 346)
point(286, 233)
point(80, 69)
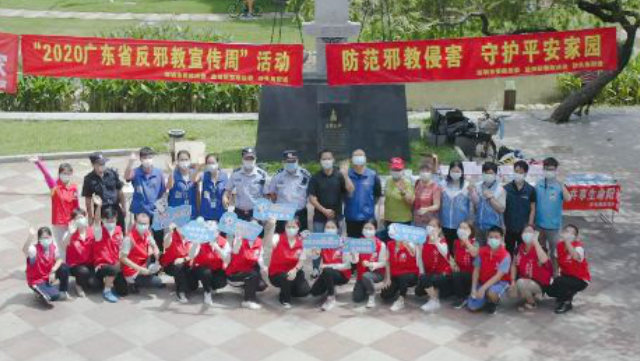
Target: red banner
point(593, 197)
point(472, 58)
point(8, 63)
point(107, 58)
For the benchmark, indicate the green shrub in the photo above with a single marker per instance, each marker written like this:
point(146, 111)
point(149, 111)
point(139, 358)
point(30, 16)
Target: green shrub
point(40, 94)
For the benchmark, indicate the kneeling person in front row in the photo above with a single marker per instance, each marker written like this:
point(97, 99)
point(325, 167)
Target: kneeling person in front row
point(44, 266)
point(209, 263)
point(247, 267)
point(370, 268)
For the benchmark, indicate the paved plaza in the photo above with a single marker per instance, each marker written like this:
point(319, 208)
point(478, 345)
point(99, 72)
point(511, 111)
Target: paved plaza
point(605, 323)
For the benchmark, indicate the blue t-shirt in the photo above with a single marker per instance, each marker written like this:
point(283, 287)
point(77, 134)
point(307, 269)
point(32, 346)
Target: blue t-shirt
point(183, 192)
point(147, 189)
point(549, 204)
point(360, 205)
point(211, 207)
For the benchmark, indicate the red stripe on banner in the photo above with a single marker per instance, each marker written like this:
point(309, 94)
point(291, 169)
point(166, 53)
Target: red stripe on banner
point(9, 63)
point(183, 61)
point(472, 58)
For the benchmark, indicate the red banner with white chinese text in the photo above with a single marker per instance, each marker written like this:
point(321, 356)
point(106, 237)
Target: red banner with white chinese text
point(108, 58)
point(472, 58)
point(8, 63)
point(593, 197)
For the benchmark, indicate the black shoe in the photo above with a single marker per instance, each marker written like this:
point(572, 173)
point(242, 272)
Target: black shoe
point(491, 308)
point(563, 307)
point(132, 289)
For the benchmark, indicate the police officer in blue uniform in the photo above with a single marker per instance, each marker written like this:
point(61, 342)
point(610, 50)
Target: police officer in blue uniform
point(289, 185)
point(246, 185)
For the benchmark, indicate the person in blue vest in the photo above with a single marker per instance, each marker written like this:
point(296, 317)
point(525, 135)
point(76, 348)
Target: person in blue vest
point(489, 199)
point(455, 203)
point(148, 187)
point(183, 189)
point(360, 204)
point(214, 181)
point(550, 194)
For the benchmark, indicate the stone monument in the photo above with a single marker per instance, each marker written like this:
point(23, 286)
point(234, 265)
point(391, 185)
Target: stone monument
point(317, 116)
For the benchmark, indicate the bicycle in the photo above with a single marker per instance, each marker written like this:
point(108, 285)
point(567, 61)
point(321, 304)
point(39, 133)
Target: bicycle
point(238, 8)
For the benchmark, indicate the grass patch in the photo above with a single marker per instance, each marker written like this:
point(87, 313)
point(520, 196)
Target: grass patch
point(226, 137)
point(131, 6)
point(258, 31)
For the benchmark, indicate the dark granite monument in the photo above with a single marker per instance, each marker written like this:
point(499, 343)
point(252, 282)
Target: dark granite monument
point(317, 116)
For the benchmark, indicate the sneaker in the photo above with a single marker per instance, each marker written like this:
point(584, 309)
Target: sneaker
point(563, 307)
point(431, 306)
point(64, 296)
point(207, 299)
point(371, 302)
point(286, 305)
point(328, 304)
point(109, 296)
point(79, 291)
point(459, 304)
point(315, 273)
point(398, 305)
point(491, 308)
point(251, 305)
point(43, 297)
point(182, 298)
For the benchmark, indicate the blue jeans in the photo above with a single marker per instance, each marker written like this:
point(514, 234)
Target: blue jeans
point(499, 288)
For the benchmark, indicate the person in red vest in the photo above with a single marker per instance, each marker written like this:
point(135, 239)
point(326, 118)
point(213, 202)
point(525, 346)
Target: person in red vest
point(108, 240)
point(79, 242)
point(370, 268)
point(175, 261)
point(531, 270)
point(247, 268)
point(64, 198)
point(138, 259)
point(209, 261)
point(401, 273)
point(45, 266)
point(335, 270)
point(490, 278)
point(287, 258)
point(434, 266)
point(574, 270)
point(465, 249)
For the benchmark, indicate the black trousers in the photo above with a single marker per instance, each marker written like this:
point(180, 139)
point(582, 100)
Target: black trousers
point(564, 288)
point(181, 274)
point(399, 286)
point(106, 270)
point(302, 217)
point(365, 287)
point(299, 287)
point(209, 278)
point(461, 282)
point(252, 283)
point(512, 240)
point(85, 276)
point(443, 283)
point(327, 282)
point(450, 234)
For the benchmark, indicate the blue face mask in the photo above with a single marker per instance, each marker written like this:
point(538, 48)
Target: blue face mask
point(493, 243)
point(142, 228)
point(291, 167)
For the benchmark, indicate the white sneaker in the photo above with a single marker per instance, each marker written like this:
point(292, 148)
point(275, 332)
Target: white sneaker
point(286, 305)
point(328, 304)
point(431, 306)
point(315, 273)
point(207, 299)
point(371, 302)
point(398, 305)
point(182, 298)
point(64, 296)
point(79, 291)
point(251, 305)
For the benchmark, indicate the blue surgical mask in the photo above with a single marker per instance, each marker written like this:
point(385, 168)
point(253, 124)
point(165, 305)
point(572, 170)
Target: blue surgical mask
point(327, 163)
point(46, 241)
point(518, 177)
point(292, 231)
point(110, 226)
point(331, 230)
point(527, 237)
point(367, 233)
point(550, 174)
point(359, 159)
point(488, 178)
point(291, 167)
point(494, 243)
point(142, 228)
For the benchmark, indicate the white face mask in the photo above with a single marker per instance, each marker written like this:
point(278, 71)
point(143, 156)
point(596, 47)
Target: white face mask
point(248, 164)
point(367, 233)
point(292, 231)
point(550, 174)
point(429, 230)
point(81, 222)
point(396, 174)
point(331, 230)
point(567, 236)
point(142, 228)
point(463, 234)
point(184, 164)
point(65, 178)
point(518, 177)
point(110, 226)
point(527, 237)
point(147, 162)
point(359, 159)
point(46, 241)
point(455, 175)
point(212, 167)
point(488, 178)
point(326, 163)
point(425, 176)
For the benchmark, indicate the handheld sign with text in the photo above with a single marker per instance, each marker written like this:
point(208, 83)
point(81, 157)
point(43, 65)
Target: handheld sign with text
point(227, 223)
point(411, 234)
point(162, 218)
point(198, 232)
point(265, 209)
point(248, 230)
point(359, 245)
point(322, 241)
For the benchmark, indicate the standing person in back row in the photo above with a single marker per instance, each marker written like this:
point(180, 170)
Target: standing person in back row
point(520, 208)
point(490, 200)
point(148, 187)
point(398, 195)
point(106, 184)
point(360, 205)
point(289, 185)
point(550, 194)
point(246, 185)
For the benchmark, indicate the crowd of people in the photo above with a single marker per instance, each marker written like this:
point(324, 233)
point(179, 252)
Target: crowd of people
point(485, 240)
